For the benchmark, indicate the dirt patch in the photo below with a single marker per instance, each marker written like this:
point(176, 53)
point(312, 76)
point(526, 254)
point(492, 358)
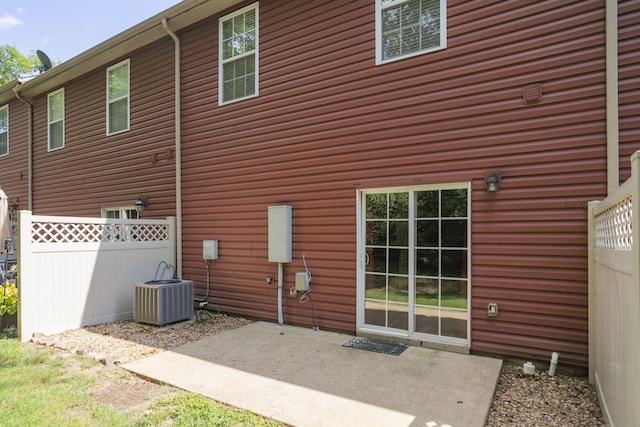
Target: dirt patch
point(113, 385)
point(125, 391)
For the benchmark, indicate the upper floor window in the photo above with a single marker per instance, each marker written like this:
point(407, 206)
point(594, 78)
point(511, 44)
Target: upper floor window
point(238, 70)
point(4, 130)
point(55, 119)
point(118, 98)
point(406, 28)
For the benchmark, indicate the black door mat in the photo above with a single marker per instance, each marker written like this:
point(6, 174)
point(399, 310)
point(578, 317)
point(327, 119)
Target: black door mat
point(378, 346)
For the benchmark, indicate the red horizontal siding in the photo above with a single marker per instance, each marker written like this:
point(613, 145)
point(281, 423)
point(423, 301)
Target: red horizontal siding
point(628, 83)
point(14, 173)
point(98, 171)
point(328, 121)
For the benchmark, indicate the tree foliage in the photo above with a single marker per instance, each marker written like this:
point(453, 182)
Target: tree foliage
point(14, 64)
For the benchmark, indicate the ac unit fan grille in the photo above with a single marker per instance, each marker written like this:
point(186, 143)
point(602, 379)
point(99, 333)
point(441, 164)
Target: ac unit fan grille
point(160, 304)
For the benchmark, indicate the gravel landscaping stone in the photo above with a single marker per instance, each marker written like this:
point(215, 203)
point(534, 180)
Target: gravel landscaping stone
point(543, 400)
point(520, 399)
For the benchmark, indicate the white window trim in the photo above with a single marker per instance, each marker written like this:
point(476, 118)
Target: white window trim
point(121, 209)
point(443, 33)
point(6, 107)
point(256, 52)
point(128, 96)
point(123, 233)
point(49, 122)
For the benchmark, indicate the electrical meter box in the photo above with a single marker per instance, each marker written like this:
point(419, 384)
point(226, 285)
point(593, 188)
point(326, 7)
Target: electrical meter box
point(209, 249)
point(279, 234)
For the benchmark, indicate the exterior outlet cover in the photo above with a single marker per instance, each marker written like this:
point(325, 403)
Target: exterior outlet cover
point(302, 281)
point(492, 309)
point(210, 249)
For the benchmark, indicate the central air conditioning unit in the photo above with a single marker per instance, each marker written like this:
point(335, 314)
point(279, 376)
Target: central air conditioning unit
point(159, 302)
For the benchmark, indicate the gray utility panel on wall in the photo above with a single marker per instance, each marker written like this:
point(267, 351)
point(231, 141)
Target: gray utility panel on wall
point(279, 234)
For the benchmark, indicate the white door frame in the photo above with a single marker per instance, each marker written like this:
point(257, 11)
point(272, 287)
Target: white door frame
point(361, 327)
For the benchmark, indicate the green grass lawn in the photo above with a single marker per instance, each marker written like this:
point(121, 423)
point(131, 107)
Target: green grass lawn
point(447, 300)
point(188, 409)
point(38, 387)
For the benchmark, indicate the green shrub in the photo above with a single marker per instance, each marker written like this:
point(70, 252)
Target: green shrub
point(8, 298)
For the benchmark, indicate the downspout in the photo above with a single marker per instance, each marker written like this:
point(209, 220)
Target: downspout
point(611, 45)
point(178, 137)
point(29, 147)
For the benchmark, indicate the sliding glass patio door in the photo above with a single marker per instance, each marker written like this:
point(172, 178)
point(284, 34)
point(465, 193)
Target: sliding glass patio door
point(413, 275)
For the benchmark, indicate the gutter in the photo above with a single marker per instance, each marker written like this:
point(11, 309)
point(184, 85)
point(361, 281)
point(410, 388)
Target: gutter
point(182, 15)
point(178, 145)
point(611, 45)
point(29, 147)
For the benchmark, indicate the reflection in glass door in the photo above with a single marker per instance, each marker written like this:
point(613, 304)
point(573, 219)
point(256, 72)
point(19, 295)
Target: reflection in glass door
point(416, 254)
point(387, 266)
point(441, 248)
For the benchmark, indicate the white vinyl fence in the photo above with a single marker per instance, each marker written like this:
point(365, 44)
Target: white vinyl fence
point(614, 301)
point(75, 272)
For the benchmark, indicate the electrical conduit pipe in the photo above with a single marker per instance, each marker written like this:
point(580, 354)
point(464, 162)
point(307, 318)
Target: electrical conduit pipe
point(280, 286)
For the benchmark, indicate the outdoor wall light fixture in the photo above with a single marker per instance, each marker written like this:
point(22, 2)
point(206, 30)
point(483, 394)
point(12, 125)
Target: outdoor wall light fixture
point(492, 181)
point(140, 204)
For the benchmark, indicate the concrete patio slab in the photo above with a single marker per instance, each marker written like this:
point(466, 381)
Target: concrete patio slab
point(307, 378)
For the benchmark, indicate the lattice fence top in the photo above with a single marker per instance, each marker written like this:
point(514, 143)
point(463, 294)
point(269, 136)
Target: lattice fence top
point(54, 232)
point(613, 227)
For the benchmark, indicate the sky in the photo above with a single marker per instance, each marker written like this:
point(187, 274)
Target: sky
point(65, 28)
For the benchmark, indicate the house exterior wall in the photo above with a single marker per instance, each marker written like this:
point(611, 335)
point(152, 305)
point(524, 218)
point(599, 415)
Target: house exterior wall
point(328, 122)
point(628, 83)
point(95, 171)
point(14, 166)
